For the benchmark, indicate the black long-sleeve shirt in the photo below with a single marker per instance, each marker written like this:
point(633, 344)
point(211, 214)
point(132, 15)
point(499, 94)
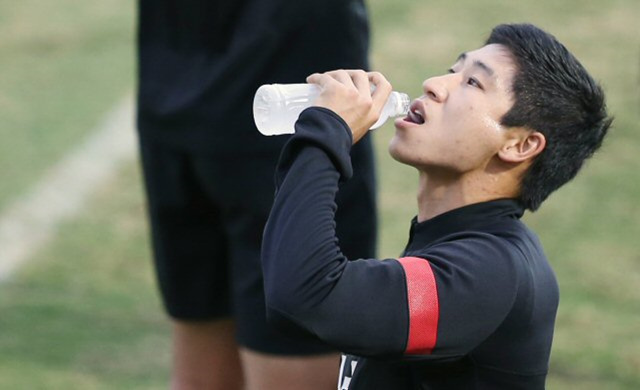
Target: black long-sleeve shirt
point(471, 303)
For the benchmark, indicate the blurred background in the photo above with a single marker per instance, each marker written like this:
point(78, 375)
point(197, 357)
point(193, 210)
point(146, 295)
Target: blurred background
point(78, 304)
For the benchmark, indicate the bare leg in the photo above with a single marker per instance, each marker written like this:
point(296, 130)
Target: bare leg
point(270, 372)
point(205, 356)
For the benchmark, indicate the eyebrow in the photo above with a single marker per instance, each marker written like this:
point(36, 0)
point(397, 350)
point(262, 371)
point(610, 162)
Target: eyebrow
point(486, 68)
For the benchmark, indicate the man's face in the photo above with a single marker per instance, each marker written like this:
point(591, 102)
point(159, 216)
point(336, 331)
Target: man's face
point(454, 127)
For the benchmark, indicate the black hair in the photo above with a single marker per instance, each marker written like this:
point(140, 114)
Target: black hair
point(555, 96)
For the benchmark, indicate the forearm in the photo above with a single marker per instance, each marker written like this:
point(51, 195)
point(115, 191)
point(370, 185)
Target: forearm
point(301, 257)
point(358, 306)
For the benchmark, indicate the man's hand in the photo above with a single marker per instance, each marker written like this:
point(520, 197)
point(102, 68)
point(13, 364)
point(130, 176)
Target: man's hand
point(348, 94)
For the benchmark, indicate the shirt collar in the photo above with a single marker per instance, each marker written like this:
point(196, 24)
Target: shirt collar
point(470, 217)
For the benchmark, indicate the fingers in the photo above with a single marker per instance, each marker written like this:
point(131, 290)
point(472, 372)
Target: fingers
point(343, 77)
point(361, 81)
point(321, 79)
point(382, 90)
point(351, 79)
point(364, 82)
point(355, 95)
point(313, 78)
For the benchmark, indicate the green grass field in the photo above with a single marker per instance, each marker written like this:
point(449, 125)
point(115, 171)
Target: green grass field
point(84, 313)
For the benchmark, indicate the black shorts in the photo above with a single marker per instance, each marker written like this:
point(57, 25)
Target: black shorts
point(207, 215)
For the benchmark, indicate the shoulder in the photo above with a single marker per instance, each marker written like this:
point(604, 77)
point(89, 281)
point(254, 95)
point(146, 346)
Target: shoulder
point(506, 252)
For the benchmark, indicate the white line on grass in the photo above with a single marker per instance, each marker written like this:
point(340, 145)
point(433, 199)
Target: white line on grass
point(32, 220)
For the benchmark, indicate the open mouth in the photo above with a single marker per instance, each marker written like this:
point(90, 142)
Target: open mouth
point(415, 115)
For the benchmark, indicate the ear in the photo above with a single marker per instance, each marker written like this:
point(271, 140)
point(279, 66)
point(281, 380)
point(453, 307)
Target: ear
point(522, 145)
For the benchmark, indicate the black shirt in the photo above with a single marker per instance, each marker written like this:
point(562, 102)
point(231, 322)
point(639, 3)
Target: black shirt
point(201, 61)
point(471, 303)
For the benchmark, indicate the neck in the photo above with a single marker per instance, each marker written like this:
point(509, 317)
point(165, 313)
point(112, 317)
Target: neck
point(438, 194)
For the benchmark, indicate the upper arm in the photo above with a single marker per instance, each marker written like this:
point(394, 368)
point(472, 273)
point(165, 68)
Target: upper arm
point(441, 304)
point(470, 286)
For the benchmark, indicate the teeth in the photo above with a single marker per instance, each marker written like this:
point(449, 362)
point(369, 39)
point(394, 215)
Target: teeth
point(416, 116)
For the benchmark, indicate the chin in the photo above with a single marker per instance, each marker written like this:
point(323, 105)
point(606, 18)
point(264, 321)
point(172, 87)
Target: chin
point(397, 153)
point(394, 148)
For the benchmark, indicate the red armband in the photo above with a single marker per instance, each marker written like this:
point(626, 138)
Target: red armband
point(422, 296)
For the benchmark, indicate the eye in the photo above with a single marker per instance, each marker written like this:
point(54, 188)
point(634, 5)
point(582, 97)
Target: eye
point(474, 83)
point(450, 70)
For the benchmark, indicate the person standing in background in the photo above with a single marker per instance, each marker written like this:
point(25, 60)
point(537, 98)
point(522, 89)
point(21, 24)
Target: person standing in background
point(209, 177)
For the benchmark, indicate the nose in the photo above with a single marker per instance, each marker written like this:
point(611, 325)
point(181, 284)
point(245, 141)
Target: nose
point(435, 88)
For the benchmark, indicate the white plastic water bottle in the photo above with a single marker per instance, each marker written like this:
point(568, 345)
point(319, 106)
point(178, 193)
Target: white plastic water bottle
point(276, 107)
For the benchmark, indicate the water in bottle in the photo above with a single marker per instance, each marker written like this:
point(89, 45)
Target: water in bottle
point(276, 107)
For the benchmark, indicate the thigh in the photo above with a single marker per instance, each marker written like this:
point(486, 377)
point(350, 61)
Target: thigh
point(205, 355)
point(268, 372)
point(189, 243)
